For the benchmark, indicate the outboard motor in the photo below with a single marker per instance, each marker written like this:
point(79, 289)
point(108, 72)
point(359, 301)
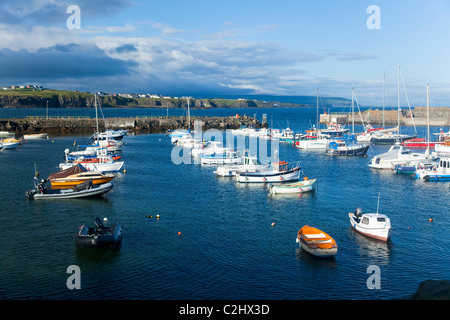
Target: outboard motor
point(358, 212)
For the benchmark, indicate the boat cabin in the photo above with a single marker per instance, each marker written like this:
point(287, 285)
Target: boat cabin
point(280, 166)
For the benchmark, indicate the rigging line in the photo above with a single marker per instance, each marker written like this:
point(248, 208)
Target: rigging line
point(407, 100)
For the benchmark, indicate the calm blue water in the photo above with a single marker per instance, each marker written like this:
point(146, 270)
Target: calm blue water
point(214, 239)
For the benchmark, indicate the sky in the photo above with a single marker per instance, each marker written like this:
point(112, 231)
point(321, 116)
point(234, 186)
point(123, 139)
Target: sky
point(246, 47)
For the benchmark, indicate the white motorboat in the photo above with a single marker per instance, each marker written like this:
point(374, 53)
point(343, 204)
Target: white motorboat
point(280, 172)
point(117, 134)
point(35, 136)
point(396, 155)
point(209, 148)
point(177, 134)
point(189, 141)
point(250, 164)
point(312, 144)
point(374, 225)
point(229, 157)
point(307, 185)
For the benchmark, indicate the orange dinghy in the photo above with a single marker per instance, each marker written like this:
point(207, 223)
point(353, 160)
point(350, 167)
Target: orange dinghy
point(316, 242)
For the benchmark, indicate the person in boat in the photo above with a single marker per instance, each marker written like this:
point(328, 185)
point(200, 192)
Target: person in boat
point(358, 214)
point(42, 186)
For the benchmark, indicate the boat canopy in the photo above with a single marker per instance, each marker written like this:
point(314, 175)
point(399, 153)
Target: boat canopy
point(67, 172)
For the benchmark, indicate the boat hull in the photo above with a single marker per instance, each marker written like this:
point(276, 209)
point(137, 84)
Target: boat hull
point(318, 252)
point(437, 177)
point(391, 139)
point(268, 177)
point(350, 151)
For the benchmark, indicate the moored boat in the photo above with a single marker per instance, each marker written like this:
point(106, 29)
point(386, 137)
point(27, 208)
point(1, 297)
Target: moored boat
point(316, 242)
point(35, 136)
point(397, 154)
point(99, 236)
point(70, 177)
point(440, 172)
point(83, 190)
point(280, 172)
point(342, 148)
point(307, 185)
point(250, 164)
point(373, 225)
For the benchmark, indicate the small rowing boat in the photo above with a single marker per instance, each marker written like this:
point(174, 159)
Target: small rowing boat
point(316, 242)
point(307, 185)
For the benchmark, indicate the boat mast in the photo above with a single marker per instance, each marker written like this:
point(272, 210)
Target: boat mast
point(353, 112)
point(428, 121)
point(189, 116)
point(378, 203)
point(384, 94)
point(317, 110)
point(96, 115)
point(398, 99)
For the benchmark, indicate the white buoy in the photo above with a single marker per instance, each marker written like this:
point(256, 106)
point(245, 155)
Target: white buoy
point(105, 219)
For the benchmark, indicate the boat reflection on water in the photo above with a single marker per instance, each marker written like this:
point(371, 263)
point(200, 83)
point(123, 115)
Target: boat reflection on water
point(374, 251)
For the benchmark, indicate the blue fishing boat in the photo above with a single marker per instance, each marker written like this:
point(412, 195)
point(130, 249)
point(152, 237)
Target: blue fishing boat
point(441, 172)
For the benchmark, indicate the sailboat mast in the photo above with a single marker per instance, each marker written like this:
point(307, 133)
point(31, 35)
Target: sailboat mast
point(428, 119)
point(96, 115)
point(189, 116)
point(353, 112)
point(317, 110)
point(384, 94)
point(398, 99)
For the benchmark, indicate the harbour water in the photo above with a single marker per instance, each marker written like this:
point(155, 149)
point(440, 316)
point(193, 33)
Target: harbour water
point(217, 239)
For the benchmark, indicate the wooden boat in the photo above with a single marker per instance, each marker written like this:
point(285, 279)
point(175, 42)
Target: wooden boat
point(70, 177)
point(35, 136)
point(99, 236)
point(373, 225)
point(307, 185)
point(280, 172)
point(83, 190)
point(316, 242)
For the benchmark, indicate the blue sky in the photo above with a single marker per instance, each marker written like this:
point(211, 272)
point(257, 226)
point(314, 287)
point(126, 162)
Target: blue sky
point(177, 47)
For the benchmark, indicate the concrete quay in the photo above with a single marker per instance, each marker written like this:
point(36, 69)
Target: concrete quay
point(439, 116)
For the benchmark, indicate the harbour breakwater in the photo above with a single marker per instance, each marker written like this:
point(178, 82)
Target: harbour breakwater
point(438, 116)
point(80, 125)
